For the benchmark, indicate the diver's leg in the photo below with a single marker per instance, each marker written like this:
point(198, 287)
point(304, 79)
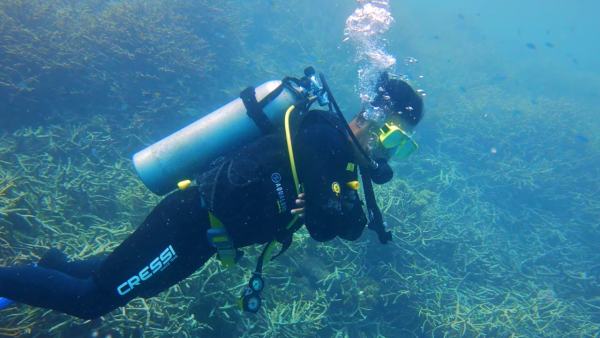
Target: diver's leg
point(51, 289)
point(81, 268)
point(168, 247)
point(56, 260)
point(179, 219)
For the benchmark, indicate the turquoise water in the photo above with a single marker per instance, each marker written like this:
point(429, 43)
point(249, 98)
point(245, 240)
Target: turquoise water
point(495, 218)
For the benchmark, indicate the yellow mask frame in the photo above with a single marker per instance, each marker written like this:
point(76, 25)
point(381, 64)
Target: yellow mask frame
point(391, 136)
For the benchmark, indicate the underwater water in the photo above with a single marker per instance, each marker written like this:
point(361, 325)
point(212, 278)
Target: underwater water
point(495, 218)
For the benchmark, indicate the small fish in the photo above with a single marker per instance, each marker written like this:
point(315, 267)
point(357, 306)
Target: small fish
point(533, 102)
point(436, 37)
point(548, 32)
point(460, 16)
point(23, 85)
point(517, 112)
point(575, 61)
point(478, 14)
point(219, 35)
point(96, 155)
point(123, 107)
point(271, 3)
point(157, 95)
point(582, 139)
point(251, 64)
point(462, 90)
point(519, 31)
point(531, 46)
point(549, 45)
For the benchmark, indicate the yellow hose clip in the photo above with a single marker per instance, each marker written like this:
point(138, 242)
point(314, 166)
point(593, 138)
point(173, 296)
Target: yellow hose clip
point(184, 184)
point(354, 185)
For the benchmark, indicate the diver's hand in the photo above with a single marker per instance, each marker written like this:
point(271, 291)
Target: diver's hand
point(299, 202)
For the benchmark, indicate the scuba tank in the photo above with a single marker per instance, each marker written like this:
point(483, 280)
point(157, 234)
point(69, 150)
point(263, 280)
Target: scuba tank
point(178, 157)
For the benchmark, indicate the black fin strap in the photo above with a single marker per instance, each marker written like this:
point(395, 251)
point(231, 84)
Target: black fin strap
point(271, 96)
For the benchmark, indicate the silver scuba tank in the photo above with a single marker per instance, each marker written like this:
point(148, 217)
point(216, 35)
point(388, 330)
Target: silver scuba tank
point(190, 150)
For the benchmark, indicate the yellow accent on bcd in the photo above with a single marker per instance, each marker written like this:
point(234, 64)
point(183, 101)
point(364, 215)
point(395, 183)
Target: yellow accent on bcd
point(184, 184)
point(336, 188)
point(354, 185)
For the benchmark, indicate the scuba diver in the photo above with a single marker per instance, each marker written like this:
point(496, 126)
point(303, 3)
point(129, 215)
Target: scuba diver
point(302, 173)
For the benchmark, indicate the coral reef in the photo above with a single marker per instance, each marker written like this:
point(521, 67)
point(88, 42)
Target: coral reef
point(495, 221)
point(462, 263)
point(65, 58)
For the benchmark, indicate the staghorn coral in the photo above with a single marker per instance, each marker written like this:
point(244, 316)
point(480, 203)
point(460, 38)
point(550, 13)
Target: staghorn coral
point(466, 261)
point(145, 56)
point(451, 269)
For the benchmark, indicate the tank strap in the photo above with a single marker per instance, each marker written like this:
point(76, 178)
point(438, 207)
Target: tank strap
point(255, 112)
point(272, 95)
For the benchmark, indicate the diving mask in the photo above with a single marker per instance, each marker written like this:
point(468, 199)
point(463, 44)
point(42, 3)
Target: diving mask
point(391, 136)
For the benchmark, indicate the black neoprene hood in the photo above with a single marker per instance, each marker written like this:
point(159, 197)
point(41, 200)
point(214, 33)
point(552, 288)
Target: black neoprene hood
point(396, 96)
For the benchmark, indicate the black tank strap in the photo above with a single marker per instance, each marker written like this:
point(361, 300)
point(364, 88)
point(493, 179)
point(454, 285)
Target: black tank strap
point(271, 96)
point(255, 112)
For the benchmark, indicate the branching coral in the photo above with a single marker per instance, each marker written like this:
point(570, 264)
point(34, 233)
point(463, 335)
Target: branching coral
point(146, 56)
point(495, 222)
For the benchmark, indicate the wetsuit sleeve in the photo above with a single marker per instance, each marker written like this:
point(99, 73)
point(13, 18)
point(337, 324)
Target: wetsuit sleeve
point(332, 208)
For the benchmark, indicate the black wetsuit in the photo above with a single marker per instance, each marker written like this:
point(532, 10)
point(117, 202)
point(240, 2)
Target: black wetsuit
point(252, 192)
